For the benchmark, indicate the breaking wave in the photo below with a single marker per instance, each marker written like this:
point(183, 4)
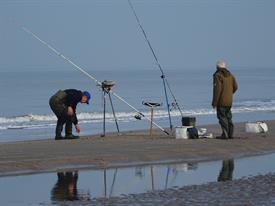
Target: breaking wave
point(33, 121)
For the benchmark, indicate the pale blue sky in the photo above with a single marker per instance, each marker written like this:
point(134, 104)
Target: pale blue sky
point(103, 34)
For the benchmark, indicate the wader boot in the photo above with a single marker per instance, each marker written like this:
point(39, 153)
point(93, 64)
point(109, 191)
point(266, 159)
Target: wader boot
point(58, 107)
point(68, 130)
point(230, 129)
point(225, 119)
point(58, 130)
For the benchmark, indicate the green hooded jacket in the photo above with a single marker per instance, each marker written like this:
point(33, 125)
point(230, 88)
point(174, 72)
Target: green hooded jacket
point(224, 86)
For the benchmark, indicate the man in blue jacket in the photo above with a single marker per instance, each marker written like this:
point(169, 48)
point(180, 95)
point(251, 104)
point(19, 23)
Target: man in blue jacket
point(63, 104)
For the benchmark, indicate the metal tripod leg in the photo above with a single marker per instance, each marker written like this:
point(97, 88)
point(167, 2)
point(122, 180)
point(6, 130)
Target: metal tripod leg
point(151, 125)
point(104, 113)
point(113, 111)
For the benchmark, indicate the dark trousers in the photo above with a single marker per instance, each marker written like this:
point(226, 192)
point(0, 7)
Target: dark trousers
point(225, 119)
point(60, 110)
point(61, 120)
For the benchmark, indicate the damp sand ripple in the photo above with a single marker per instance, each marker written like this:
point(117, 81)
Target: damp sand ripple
point(258, 190)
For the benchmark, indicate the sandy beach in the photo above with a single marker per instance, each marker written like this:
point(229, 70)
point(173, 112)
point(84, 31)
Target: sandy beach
point(129, 148)
point(138, 148)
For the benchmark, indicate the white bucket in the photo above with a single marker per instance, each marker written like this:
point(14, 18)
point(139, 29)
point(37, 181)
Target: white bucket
point(256, 127)
point(181, 132)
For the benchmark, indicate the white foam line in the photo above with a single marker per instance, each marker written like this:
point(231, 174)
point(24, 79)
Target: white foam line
point(31, 121)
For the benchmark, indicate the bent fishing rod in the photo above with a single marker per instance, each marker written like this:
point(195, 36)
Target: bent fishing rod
point(90, 76)
point(164, 80)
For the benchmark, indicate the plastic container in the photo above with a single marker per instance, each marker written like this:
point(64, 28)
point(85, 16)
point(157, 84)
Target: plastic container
point(256, 127)
point(181, 132)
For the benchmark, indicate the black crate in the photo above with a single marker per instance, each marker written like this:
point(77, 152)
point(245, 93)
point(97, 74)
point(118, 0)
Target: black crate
point(188, 121)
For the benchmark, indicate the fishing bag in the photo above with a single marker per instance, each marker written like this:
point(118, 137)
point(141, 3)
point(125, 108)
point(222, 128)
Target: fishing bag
point(193, 133)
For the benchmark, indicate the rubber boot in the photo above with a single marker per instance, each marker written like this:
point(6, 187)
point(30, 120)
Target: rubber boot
point(230, 130)
point(68, 131)
point(58, 130)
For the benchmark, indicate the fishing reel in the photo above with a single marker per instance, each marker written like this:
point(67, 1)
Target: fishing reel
point(107, 85)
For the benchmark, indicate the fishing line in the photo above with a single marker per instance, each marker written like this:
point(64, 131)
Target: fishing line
point(164, 80)
point(90, 76)
point(175, 100)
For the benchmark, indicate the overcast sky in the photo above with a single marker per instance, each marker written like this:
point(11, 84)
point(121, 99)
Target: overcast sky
point(103, 34)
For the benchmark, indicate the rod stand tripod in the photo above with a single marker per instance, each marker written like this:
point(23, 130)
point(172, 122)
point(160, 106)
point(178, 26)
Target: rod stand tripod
point(106, 87)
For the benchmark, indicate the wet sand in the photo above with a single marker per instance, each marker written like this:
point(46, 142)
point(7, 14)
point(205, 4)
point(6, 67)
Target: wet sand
point(258, 190)
point(129, 148)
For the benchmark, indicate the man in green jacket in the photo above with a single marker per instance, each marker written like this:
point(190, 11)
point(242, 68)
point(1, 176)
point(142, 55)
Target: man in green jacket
point(224, 86)
point(63, 103)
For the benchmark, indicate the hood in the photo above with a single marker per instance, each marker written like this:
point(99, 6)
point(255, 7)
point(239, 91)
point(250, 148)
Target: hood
point(223, 71)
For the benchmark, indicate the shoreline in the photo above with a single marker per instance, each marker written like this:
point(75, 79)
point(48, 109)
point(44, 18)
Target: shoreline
point(128, 149)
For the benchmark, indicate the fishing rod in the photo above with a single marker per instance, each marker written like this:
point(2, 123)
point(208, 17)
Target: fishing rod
point(164, 80)
point(90, 76)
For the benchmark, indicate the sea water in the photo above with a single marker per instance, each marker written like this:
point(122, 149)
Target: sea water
point(25, 112)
